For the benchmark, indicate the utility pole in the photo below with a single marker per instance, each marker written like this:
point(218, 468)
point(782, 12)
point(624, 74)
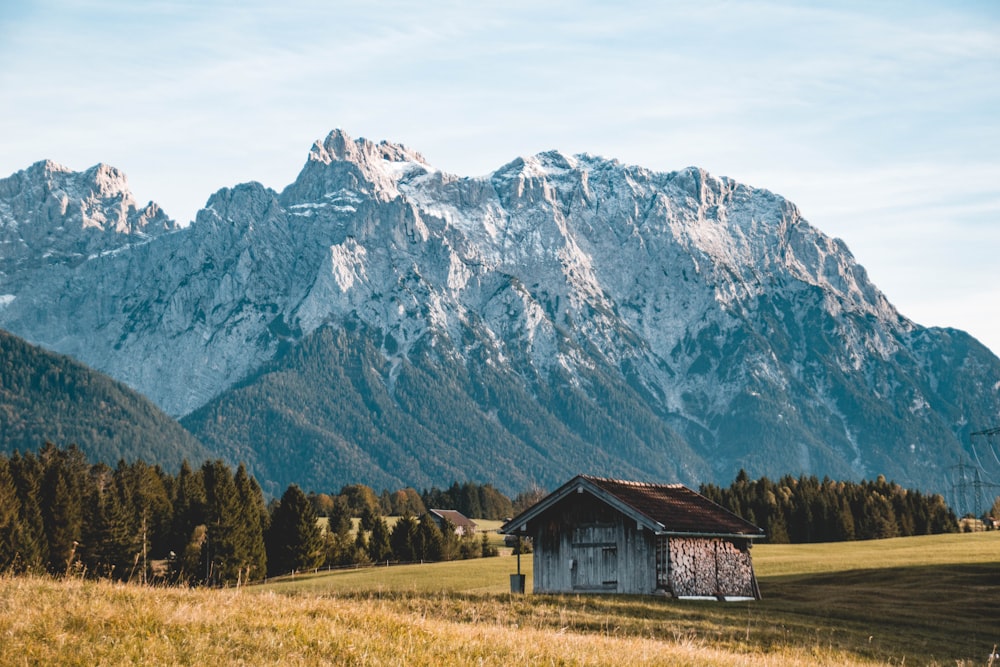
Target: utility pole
point(960, 488)
point(977, 484)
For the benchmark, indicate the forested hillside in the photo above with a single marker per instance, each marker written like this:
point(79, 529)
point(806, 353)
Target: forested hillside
point(332, 411)
point(47, 397)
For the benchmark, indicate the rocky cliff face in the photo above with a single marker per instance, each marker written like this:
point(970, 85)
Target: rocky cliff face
point(709, 306)
point(51, 215)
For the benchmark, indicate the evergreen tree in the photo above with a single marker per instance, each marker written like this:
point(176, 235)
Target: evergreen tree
point(10, 508)
point(31, 546)
point(126, 540)
point(95, 523)
point(487, 550)
point(378, 542)
point(190, 506)
point(144, 495)
point(294, 540)
point(360, 552)
point(469, 501)
point(844, 522)
point(367, 517)
point(61, 502)
point(254, 520)
point(225, 552)
point(339, 546)
point(428, 543)
point(450, 547)
point(154, 510)
point(402, 537)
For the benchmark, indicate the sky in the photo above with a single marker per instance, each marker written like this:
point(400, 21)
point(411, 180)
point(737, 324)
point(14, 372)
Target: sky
point(879, 120)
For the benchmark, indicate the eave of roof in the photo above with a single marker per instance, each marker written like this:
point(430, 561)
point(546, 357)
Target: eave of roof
point(646, 496)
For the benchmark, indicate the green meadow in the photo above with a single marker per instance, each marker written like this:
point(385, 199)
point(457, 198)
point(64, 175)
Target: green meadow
point(931, 600)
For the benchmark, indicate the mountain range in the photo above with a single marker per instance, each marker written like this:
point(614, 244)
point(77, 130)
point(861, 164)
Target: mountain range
point(384, 322)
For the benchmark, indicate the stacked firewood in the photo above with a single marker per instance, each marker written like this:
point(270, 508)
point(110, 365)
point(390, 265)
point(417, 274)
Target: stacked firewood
point(705, 566)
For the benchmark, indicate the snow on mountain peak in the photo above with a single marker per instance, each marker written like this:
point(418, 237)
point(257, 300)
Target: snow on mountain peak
point(715, 303)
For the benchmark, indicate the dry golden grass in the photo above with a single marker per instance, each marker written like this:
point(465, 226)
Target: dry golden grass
point(916, 601)
point(46, 622)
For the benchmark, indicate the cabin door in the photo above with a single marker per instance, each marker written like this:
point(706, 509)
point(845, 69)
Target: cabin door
point(595, 557)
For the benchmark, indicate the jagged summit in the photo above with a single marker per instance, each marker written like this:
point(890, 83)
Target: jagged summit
point(52, 215)
point(338, 145)
point(673, 325)
point(342, 163)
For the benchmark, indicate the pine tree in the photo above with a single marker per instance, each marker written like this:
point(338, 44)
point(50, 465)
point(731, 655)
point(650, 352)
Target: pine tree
point(487, 550)
point(255, 521)
point(339, 547)
point(844, 521)
point(189, 516)
point(360, 551)
point(31, 545)
point(450, 547)
point(189, 504)
point(428, 543)
point(10, 508)
point(95, 539)
point(378, 542)
point(61, 502)
point(125, 541)
point(402, 537)
point(154, 510)
point(224, 551)
point(294, 540)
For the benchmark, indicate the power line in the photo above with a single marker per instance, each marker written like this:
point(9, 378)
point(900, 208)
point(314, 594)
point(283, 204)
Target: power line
point(962, 487)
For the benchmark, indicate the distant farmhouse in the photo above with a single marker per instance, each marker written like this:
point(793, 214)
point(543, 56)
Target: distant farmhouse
point(595, 535)
point(461, 524)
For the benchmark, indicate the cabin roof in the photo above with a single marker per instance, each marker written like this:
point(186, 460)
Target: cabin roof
point(663, 508)
point(457, 519)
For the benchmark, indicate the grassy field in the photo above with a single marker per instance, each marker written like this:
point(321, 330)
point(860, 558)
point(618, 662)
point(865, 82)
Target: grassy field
point(929, 600)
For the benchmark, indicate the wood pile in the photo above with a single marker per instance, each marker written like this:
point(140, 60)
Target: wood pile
point(709, 566)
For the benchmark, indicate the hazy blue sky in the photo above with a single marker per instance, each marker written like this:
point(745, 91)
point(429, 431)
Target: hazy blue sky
point(880, 120)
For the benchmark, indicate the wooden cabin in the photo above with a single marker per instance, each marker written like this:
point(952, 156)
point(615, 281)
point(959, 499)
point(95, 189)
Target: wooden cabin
point(594, 535)
point(461, 524)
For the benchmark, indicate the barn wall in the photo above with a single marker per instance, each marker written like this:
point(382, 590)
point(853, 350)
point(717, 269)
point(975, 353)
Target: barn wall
point(584, 546)
point(710, 566)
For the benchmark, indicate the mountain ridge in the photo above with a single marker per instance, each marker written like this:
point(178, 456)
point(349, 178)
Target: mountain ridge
point(721, 308)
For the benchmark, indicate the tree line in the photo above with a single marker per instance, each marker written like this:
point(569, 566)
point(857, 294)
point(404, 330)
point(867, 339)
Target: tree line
point(806, 509)
point(481, 501)
point(213, 526)
point(209, 525)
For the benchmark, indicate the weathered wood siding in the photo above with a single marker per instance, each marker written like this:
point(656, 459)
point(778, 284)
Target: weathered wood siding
point(582, 545)
point(710, 566)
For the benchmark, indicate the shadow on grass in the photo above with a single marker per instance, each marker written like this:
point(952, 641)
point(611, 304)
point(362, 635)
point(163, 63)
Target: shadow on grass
point(923, 614)
point(930, 614)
